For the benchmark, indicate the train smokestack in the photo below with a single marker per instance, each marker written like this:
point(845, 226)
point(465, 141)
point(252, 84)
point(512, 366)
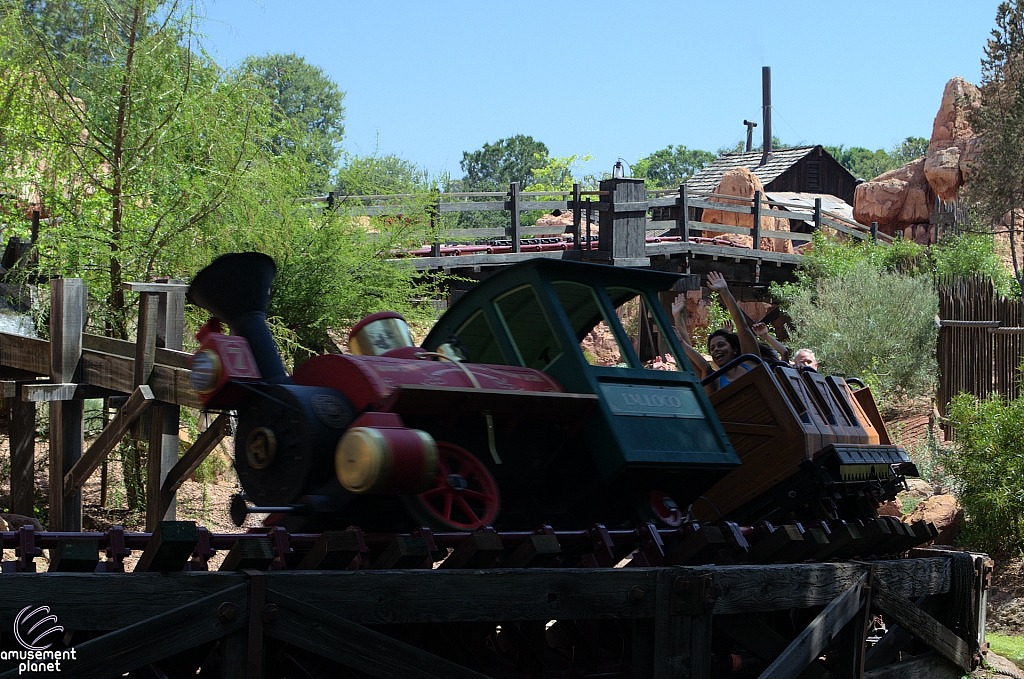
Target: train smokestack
point(236, 289)
point(766, 105)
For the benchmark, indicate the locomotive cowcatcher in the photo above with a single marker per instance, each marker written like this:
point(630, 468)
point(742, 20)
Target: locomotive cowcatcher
point(553, 392)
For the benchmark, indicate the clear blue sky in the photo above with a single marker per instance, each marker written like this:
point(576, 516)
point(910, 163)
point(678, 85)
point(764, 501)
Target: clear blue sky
point(429, 80)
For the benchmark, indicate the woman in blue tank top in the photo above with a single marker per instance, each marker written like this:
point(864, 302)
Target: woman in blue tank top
point(723, 346)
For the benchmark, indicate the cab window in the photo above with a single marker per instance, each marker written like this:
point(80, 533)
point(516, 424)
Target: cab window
point(642, 327)
point(476, 339)
point(528, 327)
point(597, 341)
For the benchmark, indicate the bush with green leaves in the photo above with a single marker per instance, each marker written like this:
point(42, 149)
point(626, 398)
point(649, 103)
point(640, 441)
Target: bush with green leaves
point(986, 464)
point(868, 322)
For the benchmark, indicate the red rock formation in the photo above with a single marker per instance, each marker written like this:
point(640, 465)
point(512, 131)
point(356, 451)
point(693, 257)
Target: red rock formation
point(951, 133)
point(742, 183)
point(898, 199)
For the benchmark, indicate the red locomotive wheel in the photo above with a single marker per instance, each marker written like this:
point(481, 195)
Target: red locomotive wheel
point(464, 495)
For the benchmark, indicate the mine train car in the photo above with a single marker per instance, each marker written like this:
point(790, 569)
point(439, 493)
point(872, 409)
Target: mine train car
point(553, 392)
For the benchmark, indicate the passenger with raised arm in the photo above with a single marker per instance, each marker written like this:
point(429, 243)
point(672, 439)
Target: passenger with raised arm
point(761, 330)
point(723, 345)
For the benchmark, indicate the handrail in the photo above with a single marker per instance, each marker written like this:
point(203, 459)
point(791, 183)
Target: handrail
point(742, 358)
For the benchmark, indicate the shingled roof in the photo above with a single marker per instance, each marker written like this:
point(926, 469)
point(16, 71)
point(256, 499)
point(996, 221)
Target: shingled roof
point(782, 159)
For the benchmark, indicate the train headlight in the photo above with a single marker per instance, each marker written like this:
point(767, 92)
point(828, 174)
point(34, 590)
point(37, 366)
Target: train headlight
point(206, 371)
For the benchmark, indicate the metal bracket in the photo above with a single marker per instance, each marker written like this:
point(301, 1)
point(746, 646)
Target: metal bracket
point(694, 595)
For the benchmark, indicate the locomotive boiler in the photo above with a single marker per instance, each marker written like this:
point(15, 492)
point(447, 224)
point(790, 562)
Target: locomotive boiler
point(553, 392)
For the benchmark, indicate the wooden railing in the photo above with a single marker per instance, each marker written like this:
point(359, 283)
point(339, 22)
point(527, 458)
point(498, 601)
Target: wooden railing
point(585, 205)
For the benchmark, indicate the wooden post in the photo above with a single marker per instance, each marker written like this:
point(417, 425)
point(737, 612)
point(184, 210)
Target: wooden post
point(23, 445)
point(817, 214)
point(756, 212)
point(683, 218)
point(589, 219)
point(874, 232)
point(576, 217)
point(622, 239)
point(67, 319)
point(161, 324)
point(513, 202)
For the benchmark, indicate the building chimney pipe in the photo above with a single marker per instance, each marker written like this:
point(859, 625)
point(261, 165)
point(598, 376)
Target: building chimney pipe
point(766, 100)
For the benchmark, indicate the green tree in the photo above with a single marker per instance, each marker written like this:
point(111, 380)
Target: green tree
point(909, 149)
point(308, 109)
point(380, 175)
point(997, 187)
point(741, 146)
point(867, 164)
point(671, 166)
point(495, 166)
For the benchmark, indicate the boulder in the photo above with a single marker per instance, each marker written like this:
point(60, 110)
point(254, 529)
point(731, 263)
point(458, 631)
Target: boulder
point(891, 508)
point(743, 183)
point(918, 489)
point(944, 512)
point(951, 134)
point(16, 521)
point(896, 199)
point(562, 219)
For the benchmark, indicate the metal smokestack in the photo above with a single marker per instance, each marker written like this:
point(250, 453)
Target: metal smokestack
point(766, 100)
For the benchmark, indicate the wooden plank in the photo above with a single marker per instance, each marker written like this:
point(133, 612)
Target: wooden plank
point(41, 393)
point(165, 418)
point(756, 232)
point(169, 547)
point(543, 204)
point(925, 666)
point(67, 419)
point(25, 353)
point(779, 587)
point(195, 455)
point(468, 261)
point(425, 595)
point(809, 644)
point(23, 444)
point(111, 435)
point(156, 287)
point(155, 638)
point(678, 247)
point(173, 385)
point(473, 207)
point(743, 230)
point(923, 626)
point(163, 356)
point(89, 601)
point(355, 646)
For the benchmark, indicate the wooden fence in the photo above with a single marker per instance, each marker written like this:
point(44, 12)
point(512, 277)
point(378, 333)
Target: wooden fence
point(585, 205)
point(981, 341)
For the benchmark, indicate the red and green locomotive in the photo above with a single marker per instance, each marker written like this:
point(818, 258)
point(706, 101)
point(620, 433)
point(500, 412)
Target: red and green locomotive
point(553, 392)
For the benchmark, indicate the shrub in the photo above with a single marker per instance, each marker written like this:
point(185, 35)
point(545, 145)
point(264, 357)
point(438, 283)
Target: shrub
point(986, 466)
point(870, 323)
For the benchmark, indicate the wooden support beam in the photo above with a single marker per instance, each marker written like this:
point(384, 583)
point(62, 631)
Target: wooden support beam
point(68, 298)
point(22, 430)
point(161, 636)
point(195, 455)
point(923, 626)
point(753, 634)
point(514, 207)
point(809, 644)
point(355, 646)
point(111, 435)
point(165, 417)
point(757, 220)
point(43, 392)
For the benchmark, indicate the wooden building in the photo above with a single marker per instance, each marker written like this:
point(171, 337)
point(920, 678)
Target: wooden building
point(806, 169)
